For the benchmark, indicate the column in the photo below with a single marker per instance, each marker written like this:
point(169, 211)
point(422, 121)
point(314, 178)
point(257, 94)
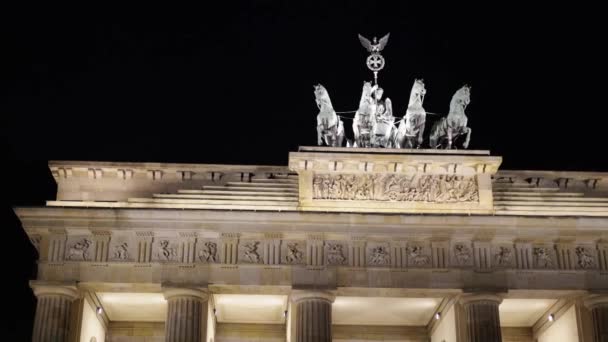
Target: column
point(312, 315)
point(186, 314)
point(481, 317)
point(598, 305)
point(52, 320)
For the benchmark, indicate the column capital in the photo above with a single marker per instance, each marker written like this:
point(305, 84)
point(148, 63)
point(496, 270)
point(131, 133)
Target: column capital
point(43, 288)
point(300, 295)
point(596, 300)
point(175, 291)
point(472, 298)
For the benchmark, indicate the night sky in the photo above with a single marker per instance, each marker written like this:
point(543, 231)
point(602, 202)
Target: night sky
point(235, 85)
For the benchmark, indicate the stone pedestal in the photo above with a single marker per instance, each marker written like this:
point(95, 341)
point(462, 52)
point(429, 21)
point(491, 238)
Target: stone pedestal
point(481, 316)
point(598, 305)
point(186, 314)
point(52, 320)
point(313, 315)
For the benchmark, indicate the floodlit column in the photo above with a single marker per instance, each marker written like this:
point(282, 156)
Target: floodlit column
point(598, 305)
point(481, 316)
point(186, 314)
point(312, 315)
point(52, 320)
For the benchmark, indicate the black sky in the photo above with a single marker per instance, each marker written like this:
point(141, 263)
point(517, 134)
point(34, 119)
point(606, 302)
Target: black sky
point(234, 85)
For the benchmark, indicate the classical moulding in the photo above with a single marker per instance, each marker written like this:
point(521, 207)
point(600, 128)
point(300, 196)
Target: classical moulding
point(430, 188)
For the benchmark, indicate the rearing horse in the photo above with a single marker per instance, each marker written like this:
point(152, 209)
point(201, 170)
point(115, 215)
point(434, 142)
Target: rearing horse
point(411, 127)
point(447, 129)
point(330, 128)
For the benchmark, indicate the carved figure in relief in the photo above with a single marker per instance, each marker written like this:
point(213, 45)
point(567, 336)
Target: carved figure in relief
point(447, 129)
point(543, 257)
point(417, 257)
point(167, 252)
point(121, 252)
point(503, 256)
point(294, 255)
point(393, 187)
point(79, 251)
point(208, 252)
point(380, 256)
point(251, 251)
point(462, 253)
point(411, 127)
point(585, 259)
point(335, 254)
point(364, 117)
point(330, 129)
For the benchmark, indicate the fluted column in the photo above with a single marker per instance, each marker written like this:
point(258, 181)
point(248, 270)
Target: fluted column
point(52, 320)
point(186, 314)
point(598, 305)
point(313, 315)
point(481, 316)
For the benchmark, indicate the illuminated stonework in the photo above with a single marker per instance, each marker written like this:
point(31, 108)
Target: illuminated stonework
point(358, 244)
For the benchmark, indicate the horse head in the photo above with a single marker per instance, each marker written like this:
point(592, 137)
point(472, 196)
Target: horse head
point(460, 100)
point(322, 98)
point(417, 94)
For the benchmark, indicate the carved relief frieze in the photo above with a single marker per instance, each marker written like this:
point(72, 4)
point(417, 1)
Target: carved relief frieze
point(585, 258)
point(504, 256)
point(462, 254)
point(335, 253)
point(544, 257)
point(120, 251)
point(250, 252)
point(429, 188)
point(79, 249)
point(166, 250)
point(293, 252)
point(418, 255)
point(207, 251)
point(378, 254)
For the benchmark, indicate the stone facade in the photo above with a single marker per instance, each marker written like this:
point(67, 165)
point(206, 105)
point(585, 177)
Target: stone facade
point(214, 252)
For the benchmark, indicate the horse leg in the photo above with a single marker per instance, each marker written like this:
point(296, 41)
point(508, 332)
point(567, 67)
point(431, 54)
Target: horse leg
point(420, 138)
point(468, 139)
point(449, 131)
point(320, 135)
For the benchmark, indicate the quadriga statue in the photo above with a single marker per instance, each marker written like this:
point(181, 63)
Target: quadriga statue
point(411, 127)
point(330, 128)
point(364, 117)
point(445, 131)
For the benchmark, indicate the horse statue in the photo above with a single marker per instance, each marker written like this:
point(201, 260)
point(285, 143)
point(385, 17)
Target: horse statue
point(383, 124)
point(364, 117)
point(411, 127)
point(447, 129)
point(330, 128)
